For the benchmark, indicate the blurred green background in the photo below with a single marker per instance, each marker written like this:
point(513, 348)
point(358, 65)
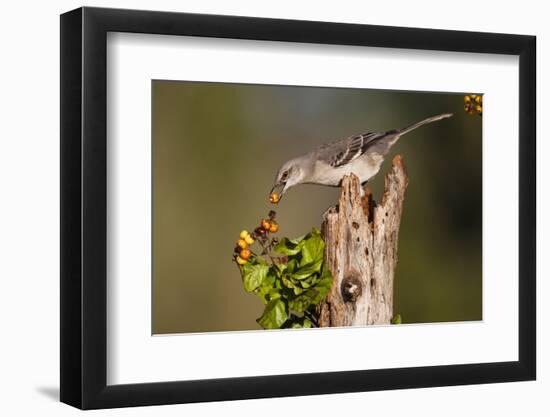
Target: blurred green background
point(216, 150)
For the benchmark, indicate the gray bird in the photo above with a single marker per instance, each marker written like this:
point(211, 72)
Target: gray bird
point(361, 155)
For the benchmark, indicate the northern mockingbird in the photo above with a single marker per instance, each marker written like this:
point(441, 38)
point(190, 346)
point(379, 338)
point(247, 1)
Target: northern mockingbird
point(361, 155)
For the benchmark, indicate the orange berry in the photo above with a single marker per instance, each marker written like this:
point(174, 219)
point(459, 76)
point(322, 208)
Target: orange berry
point(274, 198)
point(245, 254)
point(243, 234)
point(240, 260)
point(249, 240)
point(467, 99)
point(242, 244)
point(265, 224)
point(274, 228)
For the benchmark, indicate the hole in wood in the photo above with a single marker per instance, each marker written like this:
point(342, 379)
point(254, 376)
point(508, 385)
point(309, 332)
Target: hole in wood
point(351, 289)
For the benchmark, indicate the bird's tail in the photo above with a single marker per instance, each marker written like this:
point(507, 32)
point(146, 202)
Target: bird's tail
point(423, 122)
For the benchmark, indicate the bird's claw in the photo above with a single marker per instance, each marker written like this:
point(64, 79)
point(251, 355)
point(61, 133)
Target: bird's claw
point(330, 210)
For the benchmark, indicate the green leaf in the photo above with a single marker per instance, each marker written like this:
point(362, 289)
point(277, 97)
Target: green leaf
point(321, 289)
point(253, 275)
point(325, 281)
point(307, 324)
point(297, 290)
point(266, 291)
point(307, 270)
point(310, 281)
point(291, 265)
point(313, 250)
point(305, 283)
point(302, 302)
point(287, 282)
point(314, 295)
point(300, 323)
point(280, 268)
point(274, 315)
point(288, 247)
point(396, 319)
point(274, 294)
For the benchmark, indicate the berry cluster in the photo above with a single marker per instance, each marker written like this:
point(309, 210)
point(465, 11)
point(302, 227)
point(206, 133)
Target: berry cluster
point(242, 251)
point(473, 104)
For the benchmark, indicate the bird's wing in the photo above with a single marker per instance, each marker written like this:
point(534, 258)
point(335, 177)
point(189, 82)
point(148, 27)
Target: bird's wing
point(343, 151)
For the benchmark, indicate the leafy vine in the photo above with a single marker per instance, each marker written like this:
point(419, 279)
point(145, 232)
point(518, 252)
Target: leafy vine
point(289, 276)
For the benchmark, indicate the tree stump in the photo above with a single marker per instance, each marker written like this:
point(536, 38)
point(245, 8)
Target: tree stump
point(361, 251)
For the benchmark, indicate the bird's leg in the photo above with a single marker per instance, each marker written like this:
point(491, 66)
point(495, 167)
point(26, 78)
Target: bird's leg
point(334, 209)
point(362, 191)
point(331, 209)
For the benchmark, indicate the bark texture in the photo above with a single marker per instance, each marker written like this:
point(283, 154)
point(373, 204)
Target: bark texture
point(361, 251)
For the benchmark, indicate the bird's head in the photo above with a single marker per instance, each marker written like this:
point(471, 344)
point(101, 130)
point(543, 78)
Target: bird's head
point(290, 174)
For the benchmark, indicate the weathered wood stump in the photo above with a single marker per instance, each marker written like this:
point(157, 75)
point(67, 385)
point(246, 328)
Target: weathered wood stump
point(361, 251)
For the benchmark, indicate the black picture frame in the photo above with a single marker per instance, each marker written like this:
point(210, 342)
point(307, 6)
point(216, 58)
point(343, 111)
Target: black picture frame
point(84, 207)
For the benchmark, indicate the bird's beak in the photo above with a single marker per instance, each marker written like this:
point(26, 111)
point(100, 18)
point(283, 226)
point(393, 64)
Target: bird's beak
point(277, 192)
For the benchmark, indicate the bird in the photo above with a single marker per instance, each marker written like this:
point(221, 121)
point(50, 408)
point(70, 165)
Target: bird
point(328, 163)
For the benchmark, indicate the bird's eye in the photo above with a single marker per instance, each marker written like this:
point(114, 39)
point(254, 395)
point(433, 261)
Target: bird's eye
point(285, 174)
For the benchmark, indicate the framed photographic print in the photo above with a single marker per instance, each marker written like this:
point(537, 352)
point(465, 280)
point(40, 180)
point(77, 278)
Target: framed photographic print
point(257, 208)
